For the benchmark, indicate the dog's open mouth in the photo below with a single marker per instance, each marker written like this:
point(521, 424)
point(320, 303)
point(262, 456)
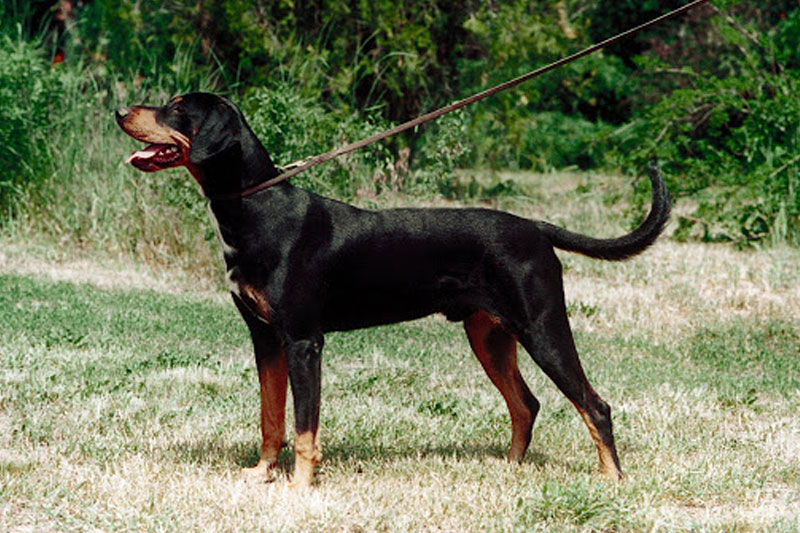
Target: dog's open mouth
point(156, 157)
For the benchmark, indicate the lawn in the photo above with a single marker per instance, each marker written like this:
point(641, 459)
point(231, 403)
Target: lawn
point(129, 402)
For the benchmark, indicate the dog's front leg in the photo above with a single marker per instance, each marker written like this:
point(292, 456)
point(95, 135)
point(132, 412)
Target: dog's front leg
point(304, 359)
point(272, 379)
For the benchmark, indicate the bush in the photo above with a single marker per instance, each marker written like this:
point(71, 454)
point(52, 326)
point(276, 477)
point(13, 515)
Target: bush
point(292, 127)
point(444, 145)
point(28, 91)
point(516, 128)
point(554, 140)
point(61, 159)
point(730, 139)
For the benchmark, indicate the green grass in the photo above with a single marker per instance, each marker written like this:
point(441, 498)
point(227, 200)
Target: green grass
point(130, 409)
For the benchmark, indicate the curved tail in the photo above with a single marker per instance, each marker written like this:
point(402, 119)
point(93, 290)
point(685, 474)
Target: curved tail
point(621, 247)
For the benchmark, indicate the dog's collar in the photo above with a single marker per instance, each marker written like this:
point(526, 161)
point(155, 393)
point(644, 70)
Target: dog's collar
point(292, 169)
point(248, 191)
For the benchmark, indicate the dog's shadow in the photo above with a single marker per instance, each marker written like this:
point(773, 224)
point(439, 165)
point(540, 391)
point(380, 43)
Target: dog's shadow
point(343, 453)
point(346, 456)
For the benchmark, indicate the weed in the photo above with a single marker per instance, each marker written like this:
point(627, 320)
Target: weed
point(583, 502)
point(27, 89)
point(293, 127)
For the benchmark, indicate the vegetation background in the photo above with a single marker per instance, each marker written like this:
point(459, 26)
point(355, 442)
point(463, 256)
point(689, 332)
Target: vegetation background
point(713, 95)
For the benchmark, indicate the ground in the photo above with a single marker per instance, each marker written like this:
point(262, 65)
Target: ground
point(128, 401)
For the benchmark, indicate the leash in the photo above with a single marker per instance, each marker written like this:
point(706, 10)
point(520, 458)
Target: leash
point(297, 167)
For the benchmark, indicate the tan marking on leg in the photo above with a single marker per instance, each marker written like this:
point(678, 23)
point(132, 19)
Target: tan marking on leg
point(499, 361)
point(272, 377)
point(307, 454)
point(609, 462)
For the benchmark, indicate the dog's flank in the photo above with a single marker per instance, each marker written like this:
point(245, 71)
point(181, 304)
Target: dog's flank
point(301, 265)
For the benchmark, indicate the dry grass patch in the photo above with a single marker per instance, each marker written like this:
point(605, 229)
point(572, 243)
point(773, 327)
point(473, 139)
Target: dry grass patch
point(675, 287)
point(47, 261)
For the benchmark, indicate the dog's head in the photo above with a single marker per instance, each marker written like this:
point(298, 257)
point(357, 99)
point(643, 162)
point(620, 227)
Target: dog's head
point(204, 132)
point(188, 130)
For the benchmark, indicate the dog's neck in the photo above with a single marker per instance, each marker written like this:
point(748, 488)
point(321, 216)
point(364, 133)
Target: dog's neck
point(239, 172)
point(256, 225)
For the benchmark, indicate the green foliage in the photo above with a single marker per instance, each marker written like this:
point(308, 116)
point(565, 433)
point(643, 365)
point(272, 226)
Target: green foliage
point(442, 146)
point(152, 41)
point(730, 140)
point(583, 502)
point(555, 140)
point(516, 128)
point(293, 127)
point(400, 58)
point(716, 103)
point(29, 94)
point(396, 55)
point(625, 14)
point(62, 173)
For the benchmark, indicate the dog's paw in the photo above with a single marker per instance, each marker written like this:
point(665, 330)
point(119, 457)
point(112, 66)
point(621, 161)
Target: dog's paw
point(299, 485)
point(263, 472)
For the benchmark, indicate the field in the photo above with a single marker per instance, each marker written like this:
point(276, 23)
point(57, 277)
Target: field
point(129, 402)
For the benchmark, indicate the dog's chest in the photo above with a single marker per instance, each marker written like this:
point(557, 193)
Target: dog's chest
point(229, 253)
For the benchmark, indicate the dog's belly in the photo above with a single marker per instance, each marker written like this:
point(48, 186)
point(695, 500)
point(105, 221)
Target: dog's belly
point(343, 321)
point(373, 306)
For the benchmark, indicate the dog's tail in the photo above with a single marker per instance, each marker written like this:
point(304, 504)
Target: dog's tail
point(621, 247)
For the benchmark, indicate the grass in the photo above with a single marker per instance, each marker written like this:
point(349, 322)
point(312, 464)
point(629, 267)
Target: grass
point(129, 402)
point(62, 157)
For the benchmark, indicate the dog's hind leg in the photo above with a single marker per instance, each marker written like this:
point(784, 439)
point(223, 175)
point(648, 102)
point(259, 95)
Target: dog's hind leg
point(549, 341)
point(496, 350)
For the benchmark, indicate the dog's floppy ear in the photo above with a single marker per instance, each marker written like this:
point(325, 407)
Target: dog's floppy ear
point(220, 130)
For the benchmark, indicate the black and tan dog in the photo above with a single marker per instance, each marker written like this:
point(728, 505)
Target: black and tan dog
point(301, 265)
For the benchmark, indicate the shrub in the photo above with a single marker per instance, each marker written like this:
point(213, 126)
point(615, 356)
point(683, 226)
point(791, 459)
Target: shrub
point(730, 139)
point(61, 157)
point(443, 146)
point(516, 128)
point(554, 140)
point(292, 127)
point(28, 89)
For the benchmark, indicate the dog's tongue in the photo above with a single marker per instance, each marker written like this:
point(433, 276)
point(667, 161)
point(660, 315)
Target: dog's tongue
point(147, 153)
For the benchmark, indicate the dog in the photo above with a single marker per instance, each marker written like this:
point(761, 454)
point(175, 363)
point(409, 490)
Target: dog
point(301, 265)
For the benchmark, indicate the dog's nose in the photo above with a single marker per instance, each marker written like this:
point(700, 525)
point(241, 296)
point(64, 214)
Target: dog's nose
point(122, 112)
